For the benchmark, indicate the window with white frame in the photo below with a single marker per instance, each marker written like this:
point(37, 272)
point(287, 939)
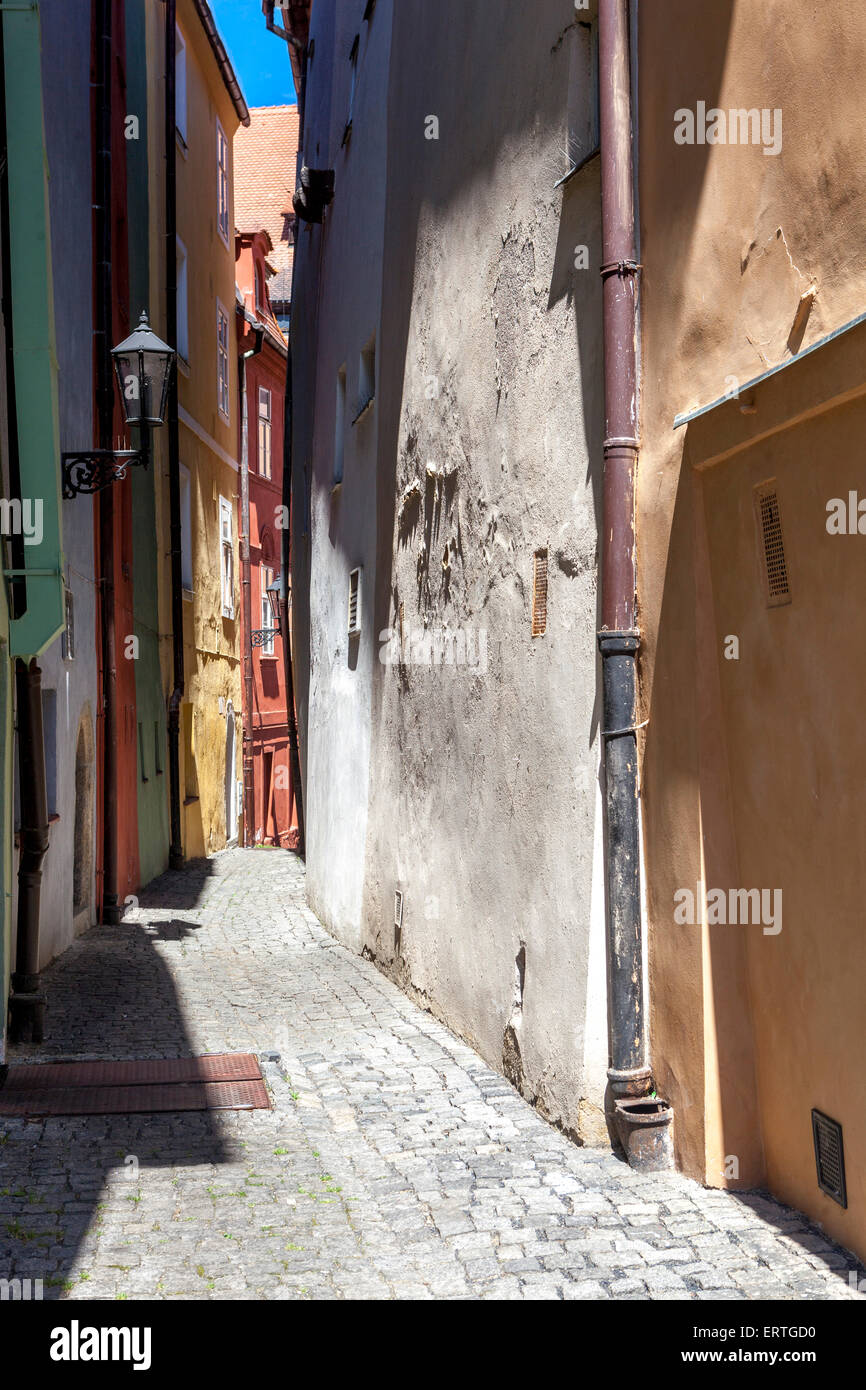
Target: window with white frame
point(180, 84)
point(222, 184)
point(264, 432)
point(222, 361)
point(185, 530)
point(227, 558)
point(182, 302)
point(266, 575)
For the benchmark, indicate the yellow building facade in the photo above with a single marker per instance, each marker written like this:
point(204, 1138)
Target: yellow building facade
point(209, 107)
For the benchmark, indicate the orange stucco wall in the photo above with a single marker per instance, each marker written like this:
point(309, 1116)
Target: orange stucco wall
point(748, 775)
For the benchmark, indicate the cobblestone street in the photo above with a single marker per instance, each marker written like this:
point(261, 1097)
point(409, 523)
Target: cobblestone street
point(394, 1163)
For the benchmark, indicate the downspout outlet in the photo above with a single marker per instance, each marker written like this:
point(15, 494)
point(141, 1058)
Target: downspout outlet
point(645, 1129)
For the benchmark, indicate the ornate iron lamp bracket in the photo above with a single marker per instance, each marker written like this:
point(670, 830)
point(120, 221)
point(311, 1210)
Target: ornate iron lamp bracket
point(262, 636)
point(91, 470)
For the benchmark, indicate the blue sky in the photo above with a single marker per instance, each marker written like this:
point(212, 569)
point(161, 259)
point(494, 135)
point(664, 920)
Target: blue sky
point(260, 59)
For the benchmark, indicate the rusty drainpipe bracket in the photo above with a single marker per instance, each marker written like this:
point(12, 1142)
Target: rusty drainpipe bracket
point(642, 1121)
point(27, 1008)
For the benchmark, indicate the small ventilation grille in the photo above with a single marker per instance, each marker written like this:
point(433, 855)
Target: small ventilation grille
point(539, 594)
point(772, 541)
point(354, 602)
point(398, 909)
point(829, 1156)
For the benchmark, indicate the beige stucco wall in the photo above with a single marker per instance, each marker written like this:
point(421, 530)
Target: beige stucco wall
point(744, 778)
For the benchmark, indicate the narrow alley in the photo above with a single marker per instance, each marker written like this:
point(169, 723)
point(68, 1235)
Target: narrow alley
point(393, 1164)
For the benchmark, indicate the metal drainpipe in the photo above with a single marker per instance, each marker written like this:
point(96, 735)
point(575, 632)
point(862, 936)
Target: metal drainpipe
point(175, 853)
point(27, 1002)
point(246, 601)
point(112, 910)
point(291, 718)
point(629, 1075)
point(300, 49)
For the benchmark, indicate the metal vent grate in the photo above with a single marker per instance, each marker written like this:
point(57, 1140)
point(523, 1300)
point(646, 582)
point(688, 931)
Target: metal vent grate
point(354, 602)
point(829, 1156)
point(539, 594)
point(215, 1082)
point(398, 909)
point(772, 541)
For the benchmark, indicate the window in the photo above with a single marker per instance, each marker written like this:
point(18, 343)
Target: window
point(144, 776)
point(49, 737)
point(227, 558)
point(340, 428)
point(223, 361)
point(582, 130)
point(353, 78)
point(180, 85)
point(260, 288)
point(182, 303)
point(266, 575)
point(157, 749)
point(185, 530)
point(222, 184)
point(67, 638)
point(264, 432)
point(366, 377)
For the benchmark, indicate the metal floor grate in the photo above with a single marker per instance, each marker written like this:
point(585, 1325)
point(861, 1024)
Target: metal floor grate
point(217, 1082)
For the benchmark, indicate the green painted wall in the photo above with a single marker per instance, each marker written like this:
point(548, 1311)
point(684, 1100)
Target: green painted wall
point(35, 362)
point(152, 764)
point(6, 866)
point(33, 327)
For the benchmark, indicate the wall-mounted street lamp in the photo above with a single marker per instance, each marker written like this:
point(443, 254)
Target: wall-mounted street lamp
point(262, 636)
point(143, 365)
point(275, 593)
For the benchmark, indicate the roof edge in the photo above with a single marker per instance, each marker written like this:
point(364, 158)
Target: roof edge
point(229, 77)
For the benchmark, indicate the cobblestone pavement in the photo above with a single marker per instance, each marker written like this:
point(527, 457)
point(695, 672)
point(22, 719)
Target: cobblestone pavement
point(394, 1164)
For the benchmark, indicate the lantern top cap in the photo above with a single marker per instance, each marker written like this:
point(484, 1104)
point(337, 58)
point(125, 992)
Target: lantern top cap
point(143, 340)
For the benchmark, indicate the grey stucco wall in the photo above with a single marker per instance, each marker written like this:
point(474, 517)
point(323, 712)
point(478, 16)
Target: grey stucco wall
point(481, 804)
point(342, 520)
